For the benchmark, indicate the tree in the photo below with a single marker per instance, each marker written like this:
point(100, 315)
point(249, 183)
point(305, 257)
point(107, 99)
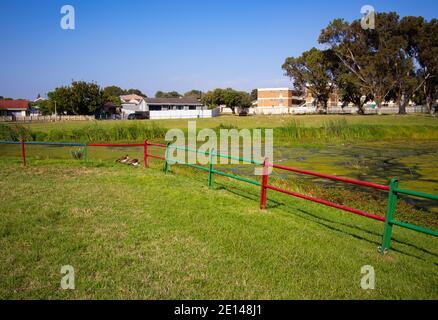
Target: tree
point(112, 99)
point(135, 91)
point(253, 95)
point(112, 94)
point(231, 98)
point(113, 91)
point(60, 100)
point(422, 46)
point(372, 56)
point(349, 90)
point(194, 94)
point(42, 105)
point(78, 98)
point(171, 94)
point(313, 70)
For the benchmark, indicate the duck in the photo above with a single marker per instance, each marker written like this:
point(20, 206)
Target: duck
point(123, 159)
point(134, 162)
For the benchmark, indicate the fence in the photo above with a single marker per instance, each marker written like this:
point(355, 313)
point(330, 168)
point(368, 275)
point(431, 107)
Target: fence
point(392, 189)
point(40, 118)
point(309, 108)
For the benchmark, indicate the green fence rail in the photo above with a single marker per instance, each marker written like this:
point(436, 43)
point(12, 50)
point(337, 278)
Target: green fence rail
point(393, 192)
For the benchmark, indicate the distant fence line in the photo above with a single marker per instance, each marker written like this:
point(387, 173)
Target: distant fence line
point(45, 118)
point(309, 109)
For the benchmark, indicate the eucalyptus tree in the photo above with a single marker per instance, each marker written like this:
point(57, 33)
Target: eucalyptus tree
point(314, 71)
point(372, 56)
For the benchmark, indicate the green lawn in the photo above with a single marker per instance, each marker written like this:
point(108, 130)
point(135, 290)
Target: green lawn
point(136, 233)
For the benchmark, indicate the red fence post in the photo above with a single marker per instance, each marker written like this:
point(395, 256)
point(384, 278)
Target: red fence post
point(145, 154)
point(23, 153)
point(263, 196)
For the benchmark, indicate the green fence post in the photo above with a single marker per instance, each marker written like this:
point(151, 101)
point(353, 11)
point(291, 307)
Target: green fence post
point(392, 203)
point(210, 170)
point(166, 157)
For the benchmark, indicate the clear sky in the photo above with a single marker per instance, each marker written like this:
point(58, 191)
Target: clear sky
point(166, 45)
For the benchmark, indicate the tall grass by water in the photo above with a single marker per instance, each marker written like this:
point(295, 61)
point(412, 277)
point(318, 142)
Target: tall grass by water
point(341, 130)
point(90, 133)
point(338, 130)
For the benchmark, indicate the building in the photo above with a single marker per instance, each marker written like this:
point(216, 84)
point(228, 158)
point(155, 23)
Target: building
point(14, 108)
point(276, 101)
point(278, 97)
point(166, 108)
point(132, 103)
point(165, 104)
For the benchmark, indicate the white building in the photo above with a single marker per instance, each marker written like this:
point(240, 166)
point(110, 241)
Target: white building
point(166, 108)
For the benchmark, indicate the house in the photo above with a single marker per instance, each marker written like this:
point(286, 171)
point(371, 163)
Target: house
point(132, 103)
point(165, 104)
point(166, 108)
point(14, 108)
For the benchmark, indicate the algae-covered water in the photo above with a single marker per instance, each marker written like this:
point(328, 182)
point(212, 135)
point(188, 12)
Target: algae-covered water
point(413, 164)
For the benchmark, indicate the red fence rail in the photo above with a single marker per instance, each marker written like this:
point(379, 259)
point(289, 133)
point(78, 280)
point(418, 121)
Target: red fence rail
point(266, 186)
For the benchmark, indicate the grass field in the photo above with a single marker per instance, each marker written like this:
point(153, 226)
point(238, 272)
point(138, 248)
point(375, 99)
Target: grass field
point(273, 121)
point(137, 233)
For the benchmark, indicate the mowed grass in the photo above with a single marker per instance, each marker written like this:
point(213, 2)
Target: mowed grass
point(137, 233)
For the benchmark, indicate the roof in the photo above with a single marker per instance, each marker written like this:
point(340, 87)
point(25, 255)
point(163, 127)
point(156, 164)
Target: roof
point(14, 104)
point(129, 97)
point(173, 101)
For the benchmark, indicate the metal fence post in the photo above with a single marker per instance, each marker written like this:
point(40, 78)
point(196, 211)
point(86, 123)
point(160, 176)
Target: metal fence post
point(145, 154)
point(263, 196)
point(166, 159)
point(210, 170)
point(392, 203)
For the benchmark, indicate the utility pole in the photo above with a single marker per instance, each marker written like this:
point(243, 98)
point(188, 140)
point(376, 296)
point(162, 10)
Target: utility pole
point(56, 114)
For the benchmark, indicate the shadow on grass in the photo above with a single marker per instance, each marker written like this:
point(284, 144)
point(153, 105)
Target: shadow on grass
point(325, 222)
point(330, 224)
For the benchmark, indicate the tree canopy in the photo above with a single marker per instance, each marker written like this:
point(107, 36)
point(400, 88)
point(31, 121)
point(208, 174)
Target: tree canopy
point(313, 70)
point(394, 61)
point(194, 94)
point(231, 98)
point(79, 98)
point(171, 94)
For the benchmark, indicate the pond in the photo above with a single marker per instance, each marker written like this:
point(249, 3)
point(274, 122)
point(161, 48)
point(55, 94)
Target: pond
point(414, 164)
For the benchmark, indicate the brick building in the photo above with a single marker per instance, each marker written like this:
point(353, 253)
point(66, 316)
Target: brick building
point(278, 97)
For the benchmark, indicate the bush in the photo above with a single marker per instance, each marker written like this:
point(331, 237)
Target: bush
point(78, 154)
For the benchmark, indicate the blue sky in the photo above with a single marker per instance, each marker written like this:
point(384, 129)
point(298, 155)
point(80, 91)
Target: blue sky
point(166, 45)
